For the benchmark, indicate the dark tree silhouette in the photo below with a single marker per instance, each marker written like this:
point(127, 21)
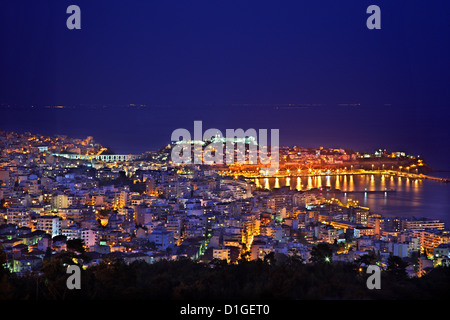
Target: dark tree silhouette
point(75, 245)
point(397, 267)
point(288, 278)
point(270, 258)
point(321, 253)
point(367, 259)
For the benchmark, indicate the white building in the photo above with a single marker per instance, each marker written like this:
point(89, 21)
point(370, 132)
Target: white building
point(399, 249)
point(161, 238)
point(89, 237)
point(442, 250)
point(71, 232)
point(49, 224)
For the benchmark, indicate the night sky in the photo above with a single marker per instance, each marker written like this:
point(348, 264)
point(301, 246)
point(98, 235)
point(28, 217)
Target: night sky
point(188, 54)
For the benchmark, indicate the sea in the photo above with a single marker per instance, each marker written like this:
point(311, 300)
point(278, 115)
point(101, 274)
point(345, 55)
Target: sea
point(388, 195)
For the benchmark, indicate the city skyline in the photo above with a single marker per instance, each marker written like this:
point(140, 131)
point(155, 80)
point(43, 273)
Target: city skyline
point(65, 197)
point(150, 127)
point(127, 170)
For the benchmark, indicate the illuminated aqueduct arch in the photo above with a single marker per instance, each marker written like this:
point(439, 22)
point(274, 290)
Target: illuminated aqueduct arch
point(101, 157)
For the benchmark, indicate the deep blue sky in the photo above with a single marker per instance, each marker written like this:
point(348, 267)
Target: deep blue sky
point(191, 53)
point(230, 51)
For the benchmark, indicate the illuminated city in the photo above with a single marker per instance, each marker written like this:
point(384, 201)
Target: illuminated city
point(58, 190)
point(341, 193)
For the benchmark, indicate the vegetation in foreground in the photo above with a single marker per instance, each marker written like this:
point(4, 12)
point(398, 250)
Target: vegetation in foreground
point(275, 277)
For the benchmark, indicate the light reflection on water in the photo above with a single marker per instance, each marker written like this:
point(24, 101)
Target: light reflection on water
point(412, 197)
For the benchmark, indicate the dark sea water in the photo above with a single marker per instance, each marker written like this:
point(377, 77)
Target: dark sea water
point(412, 197)
point(138, 129)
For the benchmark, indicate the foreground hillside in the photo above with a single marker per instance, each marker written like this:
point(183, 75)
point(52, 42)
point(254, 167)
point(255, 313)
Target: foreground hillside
point(184, 279)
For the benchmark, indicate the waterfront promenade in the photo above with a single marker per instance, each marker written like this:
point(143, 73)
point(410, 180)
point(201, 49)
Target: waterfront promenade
point(287, 173)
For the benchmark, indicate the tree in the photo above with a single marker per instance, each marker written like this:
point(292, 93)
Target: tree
point(2, 261)
point(48, 254)
point(104, 213)
point(321, 253)
point(414, 259)
point(367, 259)
point(295, 259)
point(218, 263)
point(75, 245)
point(52, 282)
point(244, 257)
point(270, 258)
point(397, 267)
